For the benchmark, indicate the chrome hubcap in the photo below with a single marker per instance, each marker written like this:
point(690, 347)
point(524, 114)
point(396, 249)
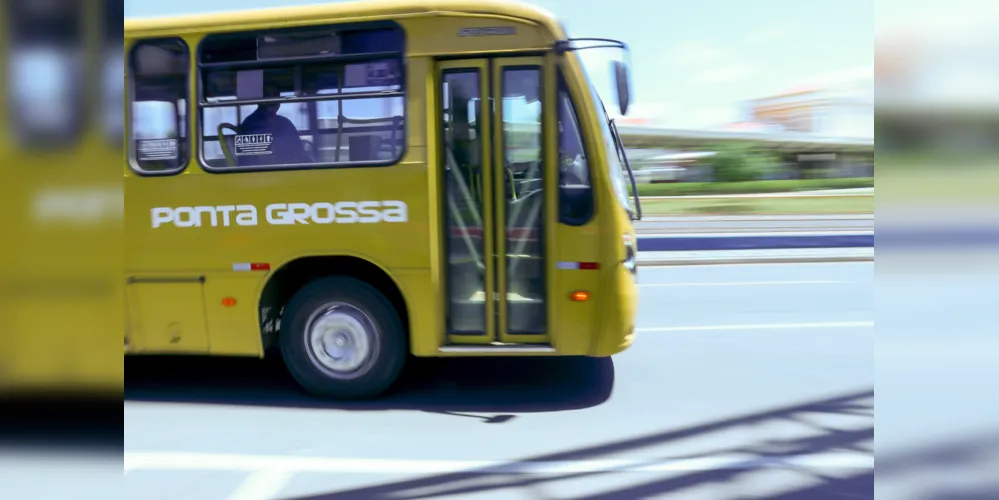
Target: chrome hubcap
point(341, 340)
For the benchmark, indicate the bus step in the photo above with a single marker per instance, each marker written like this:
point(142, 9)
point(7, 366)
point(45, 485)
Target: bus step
point(497, 348)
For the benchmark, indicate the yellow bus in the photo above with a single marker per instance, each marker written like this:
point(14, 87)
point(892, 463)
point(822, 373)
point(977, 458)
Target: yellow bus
point(353, 184)
point(61, 134)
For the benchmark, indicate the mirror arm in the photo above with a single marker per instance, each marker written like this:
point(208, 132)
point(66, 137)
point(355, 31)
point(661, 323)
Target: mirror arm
point(619, 69)
point(563, 46)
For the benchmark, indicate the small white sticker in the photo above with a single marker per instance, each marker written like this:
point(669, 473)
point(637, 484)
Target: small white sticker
point(380, 74)
point(372, 74)
point(254, 144)
point(156, 149)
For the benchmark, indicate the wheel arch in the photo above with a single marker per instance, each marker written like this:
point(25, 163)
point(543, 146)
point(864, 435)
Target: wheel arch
point(291, 276)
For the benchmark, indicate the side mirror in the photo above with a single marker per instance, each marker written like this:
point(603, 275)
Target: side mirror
point(622, 82)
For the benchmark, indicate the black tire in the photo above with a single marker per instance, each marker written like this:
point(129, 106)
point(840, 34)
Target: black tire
point(387, 339)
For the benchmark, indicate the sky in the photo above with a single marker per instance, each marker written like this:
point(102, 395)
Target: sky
point(693, 63)
point(938, 53)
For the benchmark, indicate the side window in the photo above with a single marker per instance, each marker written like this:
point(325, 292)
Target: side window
point(292, 100)
point(575, 192)
point(159, 73)
point(46, 104)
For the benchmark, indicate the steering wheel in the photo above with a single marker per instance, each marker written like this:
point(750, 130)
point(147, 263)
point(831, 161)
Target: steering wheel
point(576, 167)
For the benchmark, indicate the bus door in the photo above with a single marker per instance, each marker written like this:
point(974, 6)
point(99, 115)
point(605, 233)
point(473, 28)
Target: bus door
point(494, 200)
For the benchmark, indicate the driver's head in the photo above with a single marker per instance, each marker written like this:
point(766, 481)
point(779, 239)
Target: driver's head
point(271, 91)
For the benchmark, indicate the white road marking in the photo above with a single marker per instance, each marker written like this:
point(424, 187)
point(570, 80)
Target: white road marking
point(772, 326)
point(298, 464)
point(262, 485)
point(741, 283)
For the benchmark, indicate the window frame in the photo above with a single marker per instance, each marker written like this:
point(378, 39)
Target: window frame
point(130, 114)
point(400, 56)
point(562, 85)
point(103, 85)
point(111, 39)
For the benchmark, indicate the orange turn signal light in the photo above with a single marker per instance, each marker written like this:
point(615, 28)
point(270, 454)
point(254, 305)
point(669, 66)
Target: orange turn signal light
point(579, 296)
point(228, 302)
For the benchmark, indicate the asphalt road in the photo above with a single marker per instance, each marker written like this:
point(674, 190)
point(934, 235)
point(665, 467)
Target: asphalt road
point(755, 224)
point(734, 368)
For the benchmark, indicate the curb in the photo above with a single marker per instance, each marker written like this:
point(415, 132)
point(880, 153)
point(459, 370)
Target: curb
point(702, 242)
point(767, 196)
point(753, 260)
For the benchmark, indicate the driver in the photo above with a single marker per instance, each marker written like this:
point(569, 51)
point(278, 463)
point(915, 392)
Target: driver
point(287, 146)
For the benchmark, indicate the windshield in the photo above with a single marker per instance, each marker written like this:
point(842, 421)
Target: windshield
point(617, 174)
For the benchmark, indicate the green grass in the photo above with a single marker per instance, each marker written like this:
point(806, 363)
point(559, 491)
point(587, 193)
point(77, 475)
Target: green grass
point(751, 187)
point(940, 180)
point(761, 206)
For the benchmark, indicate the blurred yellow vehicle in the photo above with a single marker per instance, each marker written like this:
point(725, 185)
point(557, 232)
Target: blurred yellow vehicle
point(61, 136)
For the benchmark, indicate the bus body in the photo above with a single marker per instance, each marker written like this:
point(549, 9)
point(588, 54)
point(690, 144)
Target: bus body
point(61, 135)
point(439, 179)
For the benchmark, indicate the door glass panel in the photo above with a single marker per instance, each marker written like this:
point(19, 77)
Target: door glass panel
point(463, 192)
point(575, 193)
point(524, 198)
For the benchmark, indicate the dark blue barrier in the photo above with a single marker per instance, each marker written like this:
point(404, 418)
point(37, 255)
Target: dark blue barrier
point(749, 242)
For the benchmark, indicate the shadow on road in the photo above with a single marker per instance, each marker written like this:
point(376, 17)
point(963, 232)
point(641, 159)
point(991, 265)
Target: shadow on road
point(61, 421)
point(957, 468)
point(497, 385)
point(733, 481)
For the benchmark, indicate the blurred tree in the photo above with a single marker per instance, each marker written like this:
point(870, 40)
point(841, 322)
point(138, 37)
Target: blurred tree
point(740, 162)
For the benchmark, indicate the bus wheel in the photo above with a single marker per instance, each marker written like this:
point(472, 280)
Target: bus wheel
point(341, 338)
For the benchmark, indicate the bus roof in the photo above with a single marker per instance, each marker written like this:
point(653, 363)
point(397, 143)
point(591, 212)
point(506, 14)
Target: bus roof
point(358, 9)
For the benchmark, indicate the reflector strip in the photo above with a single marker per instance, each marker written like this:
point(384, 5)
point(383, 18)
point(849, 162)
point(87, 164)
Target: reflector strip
point(578, 266)
point(251, 266)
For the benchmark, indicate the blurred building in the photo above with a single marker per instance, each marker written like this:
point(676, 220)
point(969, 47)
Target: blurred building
point(844, 109)
point(937, 94)
point(632, 121)
point(752, 126)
